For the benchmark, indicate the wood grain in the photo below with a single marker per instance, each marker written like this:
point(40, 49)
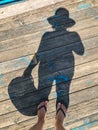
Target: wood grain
point(21, 34)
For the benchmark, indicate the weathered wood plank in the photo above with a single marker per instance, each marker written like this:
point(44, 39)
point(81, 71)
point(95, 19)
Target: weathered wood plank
point(88, 123)
point(19, 42)
point(80, 71)
point(90, 126)
point(76, 85)
point(83, 91)
point(26, 6)
point(81, 122)
point(68, 125)
point(95, 127)
point(70, 5)
point(43, 21)
point(83, 34)
point(22, 30)
point(75, 112)
point(5, 79)
point(22, 62)
point(28, 39)
point(83, 73)
point(32, 48)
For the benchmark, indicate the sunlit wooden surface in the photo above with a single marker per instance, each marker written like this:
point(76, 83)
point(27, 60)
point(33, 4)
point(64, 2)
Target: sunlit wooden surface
point(20, 37)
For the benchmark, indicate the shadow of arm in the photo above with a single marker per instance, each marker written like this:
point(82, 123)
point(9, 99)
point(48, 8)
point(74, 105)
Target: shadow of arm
point(32, 64)
point(79, 48)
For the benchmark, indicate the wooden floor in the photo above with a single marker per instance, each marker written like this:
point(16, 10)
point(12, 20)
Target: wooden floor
point(21, 37)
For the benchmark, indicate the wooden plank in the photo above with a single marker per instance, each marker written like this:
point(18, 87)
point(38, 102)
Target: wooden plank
point(5, 79)
point(25, 123)
point(23, 90)
point(89, 121)
point(22, 30)
point(32, 48)
point(9, 108)
point(28, 98)
point(69, 4)
point(27, 39)
point(90, 126)
point(9, 44)
point(85, 82)
point(93, 33)
point(81, 122)
point(22, 62)
point(40, 17)
point(19, 121)
point(75, 118)
point(26, 6)
point(68, 127)
point(95, 127)
point(75, 112)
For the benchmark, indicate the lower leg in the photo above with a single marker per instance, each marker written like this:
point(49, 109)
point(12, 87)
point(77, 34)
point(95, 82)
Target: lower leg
point(37, 126)
point(60, 127)
point(41, 117)
point(60, 117)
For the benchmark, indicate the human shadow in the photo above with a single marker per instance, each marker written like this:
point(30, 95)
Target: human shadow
point(56, 64)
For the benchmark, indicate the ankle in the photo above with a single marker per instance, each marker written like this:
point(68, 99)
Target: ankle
point(58, 126)
point(41, 121)
point(59, 120)
point(58, 123)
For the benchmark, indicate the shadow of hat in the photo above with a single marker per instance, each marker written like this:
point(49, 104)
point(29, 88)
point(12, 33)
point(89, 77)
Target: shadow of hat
point(61, 18)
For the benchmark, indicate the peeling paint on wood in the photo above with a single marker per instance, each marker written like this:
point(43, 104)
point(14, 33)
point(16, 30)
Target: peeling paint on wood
point(84, 6)
point(87, 126)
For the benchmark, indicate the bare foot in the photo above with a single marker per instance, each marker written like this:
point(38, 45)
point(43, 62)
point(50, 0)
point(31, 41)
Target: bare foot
point(41, 112)
point(60, 116)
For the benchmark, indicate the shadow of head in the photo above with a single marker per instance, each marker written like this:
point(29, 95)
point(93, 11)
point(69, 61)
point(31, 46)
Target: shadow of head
point(61, 19)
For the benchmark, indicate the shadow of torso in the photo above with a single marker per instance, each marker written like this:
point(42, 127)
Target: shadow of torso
point(56, 62)
point(56, 47)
